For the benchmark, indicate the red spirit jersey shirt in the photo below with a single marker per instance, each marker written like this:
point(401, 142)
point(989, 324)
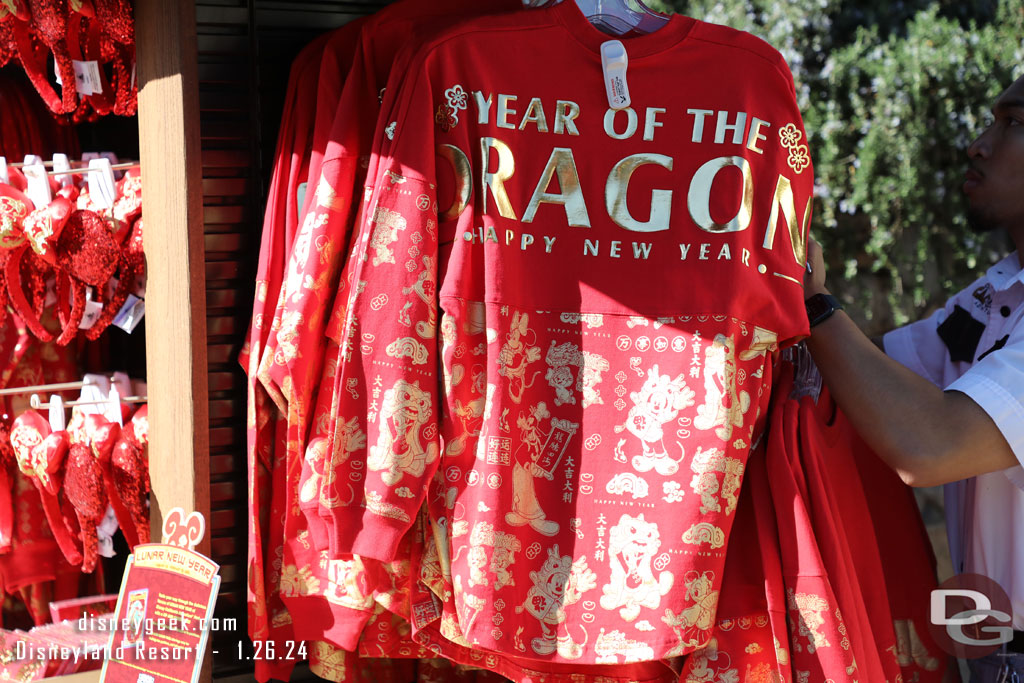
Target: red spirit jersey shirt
point(261, 411)
point(322, 243)
point(899, 539)
point(603, 291)
point(822, 646)
point(842, 522)
point(333, 596)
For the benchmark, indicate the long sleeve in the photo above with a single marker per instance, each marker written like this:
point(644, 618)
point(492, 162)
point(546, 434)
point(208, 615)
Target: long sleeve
point(389, 363)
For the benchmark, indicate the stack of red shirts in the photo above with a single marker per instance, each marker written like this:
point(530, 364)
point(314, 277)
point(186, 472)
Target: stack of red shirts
point(578, 402)
point(331, 597)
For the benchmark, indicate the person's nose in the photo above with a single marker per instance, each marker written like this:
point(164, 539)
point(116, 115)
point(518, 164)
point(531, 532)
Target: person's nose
point(981, 148)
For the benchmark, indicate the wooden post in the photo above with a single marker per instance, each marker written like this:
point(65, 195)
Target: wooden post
point(169, 146)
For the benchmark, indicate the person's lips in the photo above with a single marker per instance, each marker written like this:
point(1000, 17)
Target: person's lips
point(972, 178)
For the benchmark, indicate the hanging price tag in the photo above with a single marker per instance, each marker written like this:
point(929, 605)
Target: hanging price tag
point(91, 314)
point(614, 62)
point(130, 315)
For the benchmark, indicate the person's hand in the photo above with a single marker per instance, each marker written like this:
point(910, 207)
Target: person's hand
point(814, 275)
point(538, 471)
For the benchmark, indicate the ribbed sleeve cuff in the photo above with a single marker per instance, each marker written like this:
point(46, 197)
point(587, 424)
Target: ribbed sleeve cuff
point(372, 536)
point(313, 618)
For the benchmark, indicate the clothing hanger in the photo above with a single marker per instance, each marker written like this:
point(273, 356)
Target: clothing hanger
point(616, 17)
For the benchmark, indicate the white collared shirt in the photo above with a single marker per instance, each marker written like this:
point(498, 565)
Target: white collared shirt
point(985, 514)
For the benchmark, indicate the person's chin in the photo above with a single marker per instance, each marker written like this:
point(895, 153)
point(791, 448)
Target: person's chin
point(980, 223)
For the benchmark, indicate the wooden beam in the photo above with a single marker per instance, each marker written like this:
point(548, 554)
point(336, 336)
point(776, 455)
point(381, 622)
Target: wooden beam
point(169, 146)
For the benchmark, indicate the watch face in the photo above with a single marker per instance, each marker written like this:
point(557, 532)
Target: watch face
point(820, 307)
point(816, 306)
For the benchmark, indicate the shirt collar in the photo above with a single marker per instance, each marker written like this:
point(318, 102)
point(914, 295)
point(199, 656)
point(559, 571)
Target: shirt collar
point(1006, 273)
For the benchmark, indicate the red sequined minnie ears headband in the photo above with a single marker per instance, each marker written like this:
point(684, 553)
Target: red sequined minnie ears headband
point(77, 247)
point(33, 30)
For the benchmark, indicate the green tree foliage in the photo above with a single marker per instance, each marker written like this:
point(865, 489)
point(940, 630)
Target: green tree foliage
point(892, 93)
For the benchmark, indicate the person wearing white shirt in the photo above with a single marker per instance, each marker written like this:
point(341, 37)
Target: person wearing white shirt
point(944, 402)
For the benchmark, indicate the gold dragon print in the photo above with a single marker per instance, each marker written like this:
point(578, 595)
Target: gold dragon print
point(425, 288)
point(614, 644)
point(348, 438)
point(632, 545)
point(503, 548)
point(469, 414)
point(807, 620)
point(710, 665)
point(347, 584)
point(387, 224)
point(316, 451)
point(692, 625)
point(405, 410)
point(561, 359)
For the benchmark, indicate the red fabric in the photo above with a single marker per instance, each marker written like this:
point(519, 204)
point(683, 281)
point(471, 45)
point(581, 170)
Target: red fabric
point(901, 543)
point(832, 545)
point(564, 395)
point(753, 593)
point(343, 137)
point(844, 531)
point(262, 416)
point(311, 587)
point(26, 126)
point(820, 638)
point(335, 596)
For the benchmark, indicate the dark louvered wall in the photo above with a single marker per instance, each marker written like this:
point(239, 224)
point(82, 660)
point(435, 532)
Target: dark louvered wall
point(245, 50)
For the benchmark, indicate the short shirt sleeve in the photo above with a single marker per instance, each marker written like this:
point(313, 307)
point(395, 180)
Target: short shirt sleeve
point(996, 383)
point(918, 347)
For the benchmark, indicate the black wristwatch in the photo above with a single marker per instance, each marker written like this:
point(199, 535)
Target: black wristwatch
point(820, 308)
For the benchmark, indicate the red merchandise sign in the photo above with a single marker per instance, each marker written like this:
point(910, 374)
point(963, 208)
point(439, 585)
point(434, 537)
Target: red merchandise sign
point(164, 608)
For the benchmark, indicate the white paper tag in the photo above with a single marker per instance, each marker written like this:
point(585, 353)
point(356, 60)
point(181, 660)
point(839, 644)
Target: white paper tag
point(101, 183)
point(38, 189)
point(92, 313)
point(130, 314)
point(614, 62)
point(87, 77)
point(4, 178)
